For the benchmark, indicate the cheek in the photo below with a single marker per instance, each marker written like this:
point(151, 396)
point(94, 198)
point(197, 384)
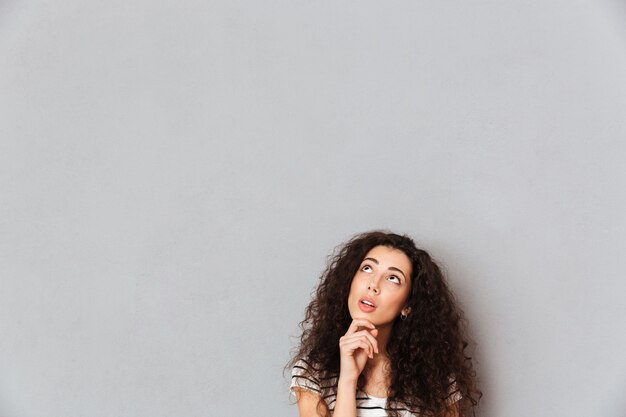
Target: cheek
point(400, 299)
point(353, 289)
point(356, 284)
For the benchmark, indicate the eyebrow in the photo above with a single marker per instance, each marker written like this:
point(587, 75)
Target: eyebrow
point(393, 268)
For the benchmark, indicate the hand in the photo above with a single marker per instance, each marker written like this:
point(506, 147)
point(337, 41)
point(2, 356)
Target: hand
point(355, 347)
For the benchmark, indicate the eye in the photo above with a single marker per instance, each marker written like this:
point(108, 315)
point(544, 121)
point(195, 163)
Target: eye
point(366, 266)
point(394, 279)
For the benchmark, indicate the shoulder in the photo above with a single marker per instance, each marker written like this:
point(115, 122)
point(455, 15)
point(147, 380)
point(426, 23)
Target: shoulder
point(308, 376)
point(310, 385)
point(454, 393)
point(305, 375)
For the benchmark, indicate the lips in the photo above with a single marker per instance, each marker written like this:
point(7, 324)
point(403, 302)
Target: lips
point(367, 305)
point(368, 301)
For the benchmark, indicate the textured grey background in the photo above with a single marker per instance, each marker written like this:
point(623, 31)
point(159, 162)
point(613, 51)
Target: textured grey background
point(174, 174)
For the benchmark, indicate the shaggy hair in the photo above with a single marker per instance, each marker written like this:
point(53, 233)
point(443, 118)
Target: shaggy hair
point(425, 350)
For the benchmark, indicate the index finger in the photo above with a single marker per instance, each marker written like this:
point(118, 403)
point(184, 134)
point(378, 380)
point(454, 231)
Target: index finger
point(354, 326)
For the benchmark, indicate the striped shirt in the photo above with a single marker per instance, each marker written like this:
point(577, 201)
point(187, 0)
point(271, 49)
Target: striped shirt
point(366, 405)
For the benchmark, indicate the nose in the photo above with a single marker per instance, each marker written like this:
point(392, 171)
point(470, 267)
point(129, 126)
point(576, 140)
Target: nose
point(373, 287)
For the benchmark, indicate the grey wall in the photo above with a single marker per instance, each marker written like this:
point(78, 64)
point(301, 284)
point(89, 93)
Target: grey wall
point(174, 174)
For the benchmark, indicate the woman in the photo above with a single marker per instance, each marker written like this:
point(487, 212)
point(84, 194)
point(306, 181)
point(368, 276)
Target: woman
point(382, 337)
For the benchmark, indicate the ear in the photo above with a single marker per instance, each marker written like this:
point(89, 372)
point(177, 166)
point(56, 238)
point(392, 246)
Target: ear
point(406, 311)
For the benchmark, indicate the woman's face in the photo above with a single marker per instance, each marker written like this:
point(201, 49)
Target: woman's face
point(381, 286)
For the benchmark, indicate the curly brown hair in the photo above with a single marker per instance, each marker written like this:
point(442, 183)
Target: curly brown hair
point(425, 350)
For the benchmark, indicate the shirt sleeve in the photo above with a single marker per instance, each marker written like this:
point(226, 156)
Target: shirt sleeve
point(303, 376)
point(454, 394)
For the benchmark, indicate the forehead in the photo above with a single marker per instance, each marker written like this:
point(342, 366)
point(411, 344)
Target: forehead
point(387, 256)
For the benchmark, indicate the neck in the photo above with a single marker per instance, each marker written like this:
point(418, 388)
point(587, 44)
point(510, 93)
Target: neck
point(377, 371)
point(382, 358)
point(384, 332)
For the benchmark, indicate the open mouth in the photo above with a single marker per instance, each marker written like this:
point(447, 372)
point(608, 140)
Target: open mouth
point(367, 303)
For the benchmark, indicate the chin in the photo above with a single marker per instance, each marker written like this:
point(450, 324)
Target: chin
point(362, 315)
point(359, 315)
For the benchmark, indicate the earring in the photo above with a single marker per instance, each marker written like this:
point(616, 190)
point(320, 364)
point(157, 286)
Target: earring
point(403, 316)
